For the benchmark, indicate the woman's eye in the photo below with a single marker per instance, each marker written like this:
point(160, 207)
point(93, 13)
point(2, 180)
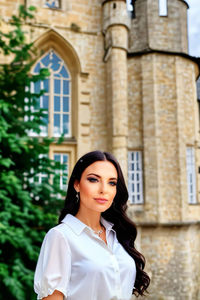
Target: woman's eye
point(92, 179)
point(113, 183)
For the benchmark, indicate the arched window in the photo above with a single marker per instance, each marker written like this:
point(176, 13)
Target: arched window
point(57, 97)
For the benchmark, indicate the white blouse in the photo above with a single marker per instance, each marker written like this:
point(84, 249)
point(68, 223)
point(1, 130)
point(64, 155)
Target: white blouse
point(77, 262)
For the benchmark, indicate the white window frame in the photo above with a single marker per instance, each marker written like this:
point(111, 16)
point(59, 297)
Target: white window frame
point(63, 187)
point(135, 177)
point(191, 175)
point(163, 8)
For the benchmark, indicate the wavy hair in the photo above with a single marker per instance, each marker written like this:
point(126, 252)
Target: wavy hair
point(125, 229)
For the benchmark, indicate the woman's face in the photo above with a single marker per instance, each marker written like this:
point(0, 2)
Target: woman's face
point(97, 186)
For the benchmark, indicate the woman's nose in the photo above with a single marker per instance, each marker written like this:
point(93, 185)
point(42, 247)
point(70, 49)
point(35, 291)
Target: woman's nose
point(103, 188)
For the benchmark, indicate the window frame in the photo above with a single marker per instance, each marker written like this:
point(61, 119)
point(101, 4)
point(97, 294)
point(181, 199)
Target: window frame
point(191, 175)
point(163, 8)
point(135, 177)
point(51, 104)
point(61, 172)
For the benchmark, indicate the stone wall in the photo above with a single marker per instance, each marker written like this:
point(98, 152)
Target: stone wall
point(173, 260)
point(149, 30)
point(162, 123)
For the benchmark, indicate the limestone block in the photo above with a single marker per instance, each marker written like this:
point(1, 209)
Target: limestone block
point(85, 130)
point(84, 114)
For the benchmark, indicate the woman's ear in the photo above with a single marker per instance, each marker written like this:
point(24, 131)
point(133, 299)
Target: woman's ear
point(76, 185)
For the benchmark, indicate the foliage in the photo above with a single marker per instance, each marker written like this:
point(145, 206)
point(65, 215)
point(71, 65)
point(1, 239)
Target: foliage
point(27, 209)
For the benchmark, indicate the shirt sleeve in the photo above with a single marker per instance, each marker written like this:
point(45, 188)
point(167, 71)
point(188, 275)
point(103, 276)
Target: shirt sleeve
point(54, 265)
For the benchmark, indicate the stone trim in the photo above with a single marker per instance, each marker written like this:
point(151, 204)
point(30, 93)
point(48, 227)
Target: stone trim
point(168, 224)
point(116, 24)
point(149, 51)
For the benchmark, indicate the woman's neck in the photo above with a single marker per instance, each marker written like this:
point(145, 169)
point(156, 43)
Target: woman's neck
point(91, 219)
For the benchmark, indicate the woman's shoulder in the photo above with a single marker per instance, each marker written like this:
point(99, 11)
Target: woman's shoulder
point(62, 230)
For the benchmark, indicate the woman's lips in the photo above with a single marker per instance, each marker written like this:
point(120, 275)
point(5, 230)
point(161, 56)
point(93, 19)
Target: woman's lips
point(101, 200)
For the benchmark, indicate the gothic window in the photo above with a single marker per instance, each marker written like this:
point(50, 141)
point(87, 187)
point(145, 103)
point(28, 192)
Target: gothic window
point(135, 177)
point(162, 8)
point(52, 3)
point(191, 175)
point(57, 97)
point(63, 159)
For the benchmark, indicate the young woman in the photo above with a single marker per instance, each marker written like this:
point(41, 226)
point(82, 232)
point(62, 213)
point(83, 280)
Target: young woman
point(91, 255)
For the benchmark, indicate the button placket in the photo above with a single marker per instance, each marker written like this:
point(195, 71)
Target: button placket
point(117, 276)
point(114, 263)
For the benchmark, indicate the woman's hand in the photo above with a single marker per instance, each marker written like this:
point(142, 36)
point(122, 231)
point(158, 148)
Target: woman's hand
point(55, 296)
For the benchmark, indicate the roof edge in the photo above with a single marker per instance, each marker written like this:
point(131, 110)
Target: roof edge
point(150, 50)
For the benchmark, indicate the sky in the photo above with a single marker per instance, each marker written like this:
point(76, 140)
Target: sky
point(194, 27)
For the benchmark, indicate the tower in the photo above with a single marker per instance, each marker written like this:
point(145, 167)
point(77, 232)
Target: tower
point(163, 125)
point(115, 30)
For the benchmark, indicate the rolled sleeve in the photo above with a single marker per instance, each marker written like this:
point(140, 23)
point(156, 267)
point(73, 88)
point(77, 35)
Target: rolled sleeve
point(53, 268)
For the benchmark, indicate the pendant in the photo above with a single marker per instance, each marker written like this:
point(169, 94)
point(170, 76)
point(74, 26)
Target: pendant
point(98, 232)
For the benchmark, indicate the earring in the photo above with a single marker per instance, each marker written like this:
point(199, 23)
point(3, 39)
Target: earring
point(77, 197)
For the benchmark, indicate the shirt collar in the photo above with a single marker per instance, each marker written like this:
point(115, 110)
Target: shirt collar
point(108, 225)
point(77, 226)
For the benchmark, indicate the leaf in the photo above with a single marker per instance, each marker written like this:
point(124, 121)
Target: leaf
point(6, 162)
point(32, 8)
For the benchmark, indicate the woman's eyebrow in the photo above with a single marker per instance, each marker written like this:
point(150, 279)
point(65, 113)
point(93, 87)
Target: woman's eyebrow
point(112, 178)
point(93, 174)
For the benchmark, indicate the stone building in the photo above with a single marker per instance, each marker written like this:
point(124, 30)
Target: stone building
point(124, 82)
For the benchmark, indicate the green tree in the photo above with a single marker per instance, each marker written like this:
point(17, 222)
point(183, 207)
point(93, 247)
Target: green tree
point(27, 209)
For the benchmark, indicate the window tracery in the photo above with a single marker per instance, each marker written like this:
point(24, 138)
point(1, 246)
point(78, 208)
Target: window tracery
point(57, 97)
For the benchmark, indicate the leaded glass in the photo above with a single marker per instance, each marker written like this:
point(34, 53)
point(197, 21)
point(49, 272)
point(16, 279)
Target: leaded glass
point(57, 94)
point(135, 177)
point(63, 159)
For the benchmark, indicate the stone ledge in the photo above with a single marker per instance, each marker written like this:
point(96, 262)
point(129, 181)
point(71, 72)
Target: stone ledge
point(168, 224)
point(150, 50)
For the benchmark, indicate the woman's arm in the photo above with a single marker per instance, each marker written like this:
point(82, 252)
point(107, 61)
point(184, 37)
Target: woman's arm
point(55, 296)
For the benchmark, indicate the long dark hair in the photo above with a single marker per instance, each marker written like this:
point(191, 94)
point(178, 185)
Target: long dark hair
point(125, 229)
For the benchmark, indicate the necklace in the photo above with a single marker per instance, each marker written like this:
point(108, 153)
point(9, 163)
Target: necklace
point(99, 231)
